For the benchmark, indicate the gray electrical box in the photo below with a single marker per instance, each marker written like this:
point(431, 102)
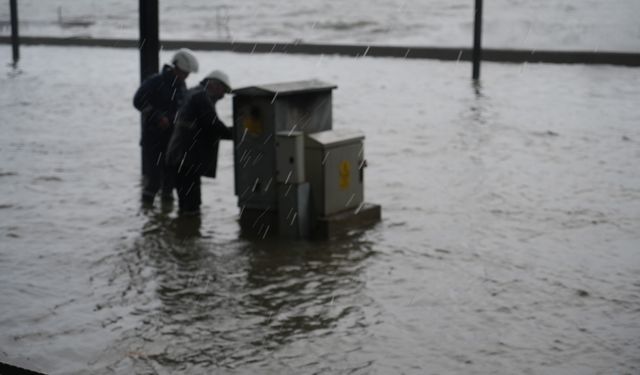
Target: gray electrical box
point(334, 167)
point(259, 113)
point(290, 157)
point(293, 210)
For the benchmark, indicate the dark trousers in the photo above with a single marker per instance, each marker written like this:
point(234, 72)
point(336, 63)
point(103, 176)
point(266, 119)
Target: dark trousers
point(157, 175)
point(188, 186)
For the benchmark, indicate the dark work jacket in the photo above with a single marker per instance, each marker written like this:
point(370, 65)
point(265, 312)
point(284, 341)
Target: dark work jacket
point(159, 95)
point(194, 144)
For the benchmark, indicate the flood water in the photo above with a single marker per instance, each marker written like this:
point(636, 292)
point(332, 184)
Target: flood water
point(509, 240)
point(589, 25)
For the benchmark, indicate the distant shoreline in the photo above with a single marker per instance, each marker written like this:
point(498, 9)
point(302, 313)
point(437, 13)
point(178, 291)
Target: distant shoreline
point(355, 50)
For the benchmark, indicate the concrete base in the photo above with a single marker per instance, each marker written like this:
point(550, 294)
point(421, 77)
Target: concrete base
point(342, 222)
point(261, 223)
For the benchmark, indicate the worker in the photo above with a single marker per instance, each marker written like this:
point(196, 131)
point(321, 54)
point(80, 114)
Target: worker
point(158, 99)
point(193, 148)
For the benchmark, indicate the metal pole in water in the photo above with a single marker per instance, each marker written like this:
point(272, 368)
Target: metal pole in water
point(15, 40)
point(149, 42)
point(477, 40)
point(149, 45)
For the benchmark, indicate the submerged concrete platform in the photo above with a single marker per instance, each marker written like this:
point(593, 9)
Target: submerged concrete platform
point(338, 224)
point(262, 223)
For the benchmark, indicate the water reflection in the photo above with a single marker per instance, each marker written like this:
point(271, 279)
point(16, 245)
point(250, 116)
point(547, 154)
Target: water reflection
point(478, 119)
point(202, 303)
point(477, 88)
point(478, 104)
point(303, 287)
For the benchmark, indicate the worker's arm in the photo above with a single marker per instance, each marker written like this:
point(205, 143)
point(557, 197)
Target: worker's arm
point(210, 117)
point(144, 100)
point(225, 132)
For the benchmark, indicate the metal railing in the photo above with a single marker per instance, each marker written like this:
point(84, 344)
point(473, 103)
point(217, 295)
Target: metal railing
point(355, 50)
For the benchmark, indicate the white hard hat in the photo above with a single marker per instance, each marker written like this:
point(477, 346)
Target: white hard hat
point(185, 61)
point(220, 76)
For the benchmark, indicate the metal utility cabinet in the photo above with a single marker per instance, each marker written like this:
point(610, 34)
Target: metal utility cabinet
point(334, 163)
point(294, 175)
point(259, 113)
point(293, 190)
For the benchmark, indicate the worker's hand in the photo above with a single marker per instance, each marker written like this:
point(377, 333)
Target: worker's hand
point(163, 123)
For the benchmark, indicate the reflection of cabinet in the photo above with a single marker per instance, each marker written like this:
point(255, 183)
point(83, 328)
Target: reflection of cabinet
point(259, 113)
point(334, 167)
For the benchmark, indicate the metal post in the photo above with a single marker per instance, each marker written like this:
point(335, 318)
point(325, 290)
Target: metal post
point(15, 40)
point(149, 42)
point(477, 40)
point(149, 45)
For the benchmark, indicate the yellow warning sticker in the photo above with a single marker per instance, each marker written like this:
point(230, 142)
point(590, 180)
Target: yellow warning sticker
point(345, 174)
point(253, 125)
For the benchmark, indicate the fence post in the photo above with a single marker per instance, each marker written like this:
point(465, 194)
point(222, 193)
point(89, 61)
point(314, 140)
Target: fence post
point(15, 39)
point(149, 45)
point(477, 40)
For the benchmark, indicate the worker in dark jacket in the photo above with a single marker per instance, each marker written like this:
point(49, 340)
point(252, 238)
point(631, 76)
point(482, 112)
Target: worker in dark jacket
point(193, 149)
point(158, 99)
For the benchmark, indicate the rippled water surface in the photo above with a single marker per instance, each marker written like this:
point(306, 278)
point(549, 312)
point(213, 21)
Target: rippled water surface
point(509, 241)
point(534, 24)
